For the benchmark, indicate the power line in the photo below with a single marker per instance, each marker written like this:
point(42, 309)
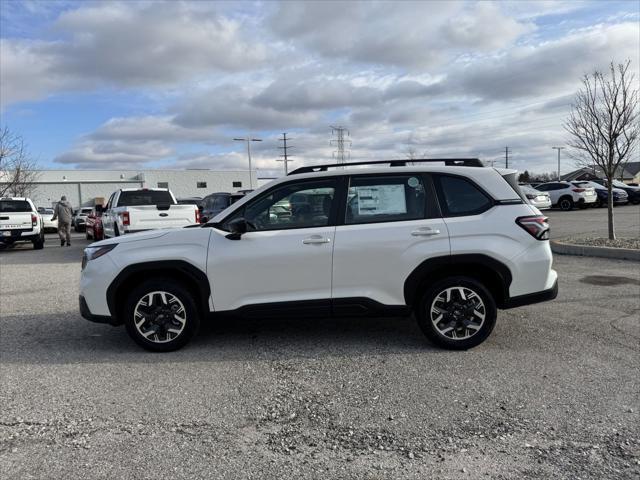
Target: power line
point(339, 141)
point(285, 155)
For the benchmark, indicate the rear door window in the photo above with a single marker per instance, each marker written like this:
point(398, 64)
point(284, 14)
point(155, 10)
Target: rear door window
point(459, 196)
point(385, 198)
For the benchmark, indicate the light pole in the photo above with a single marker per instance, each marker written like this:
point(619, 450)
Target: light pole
point(249, 140)
point(558, 148)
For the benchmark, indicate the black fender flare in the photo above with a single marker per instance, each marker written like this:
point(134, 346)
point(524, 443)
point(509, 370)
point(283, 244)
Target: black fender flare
point(441, 264)
point(198, 279)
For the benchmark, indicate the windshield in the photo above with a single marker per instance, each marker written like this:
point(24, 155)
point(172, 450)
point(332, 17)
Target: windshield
point(9, 206)
point(144, 197)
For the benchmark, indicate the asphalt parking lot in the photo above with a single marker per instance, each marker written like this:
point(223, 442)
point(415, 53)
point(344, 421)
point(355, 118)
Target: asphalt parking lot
point(553, 393)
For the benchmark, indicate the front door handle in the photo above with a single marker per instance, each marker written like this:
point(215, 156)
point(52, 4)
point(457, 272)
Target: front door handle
point(315, 240)
point(425, 232)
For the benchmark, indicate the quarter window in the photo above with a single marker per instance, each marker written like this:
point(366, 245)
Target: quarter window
point(295, 205)
point(391, 198)
point(459, 197)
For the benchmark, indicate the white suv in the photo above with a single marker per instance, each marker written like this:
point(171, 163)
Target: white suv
point(566, 195)
point(450, 241)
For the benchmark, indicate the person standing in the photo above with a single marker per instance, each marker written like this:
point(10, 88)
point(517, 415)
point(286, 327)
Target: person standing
point(63, 212)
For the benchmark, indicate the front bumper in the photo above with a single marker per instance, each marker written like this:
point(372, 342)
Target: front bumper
point(86, 313)
point(530, 298)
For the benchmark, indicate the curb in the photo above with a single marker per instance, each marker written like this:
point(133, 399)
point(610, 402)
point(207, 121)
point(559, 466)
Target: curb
point(590, 251)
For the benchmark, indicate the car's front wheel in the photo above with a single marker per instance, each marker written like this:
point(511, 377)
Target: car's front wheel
point(457, 313)
point(161, 315)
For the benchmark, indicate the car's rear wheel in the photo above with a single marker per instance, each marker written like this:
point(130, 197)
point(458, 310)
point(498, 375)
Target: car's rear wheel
point(39, 243)
point(457, 313)
point(566, 204)
point(161, 315)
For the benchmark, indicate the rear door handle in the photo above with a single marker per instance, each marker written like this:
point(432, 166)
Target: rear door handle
point(315, 240)
point(425, 232)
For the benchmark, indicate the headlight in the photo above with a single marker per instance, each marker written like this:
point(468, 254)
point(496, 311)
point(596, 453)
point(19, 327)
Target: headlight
point(91, 253)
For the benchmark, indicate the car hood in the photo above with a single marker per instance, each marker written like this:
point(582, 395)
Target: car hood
point(132, 237)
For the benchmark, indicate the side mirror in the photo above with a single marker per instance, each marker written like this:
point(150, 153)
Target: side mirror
point(237, 227)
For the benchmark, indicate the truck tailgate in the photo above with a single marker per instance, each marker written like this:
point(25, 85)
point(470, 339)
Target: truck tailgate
point(17, 220)
point(147, 217)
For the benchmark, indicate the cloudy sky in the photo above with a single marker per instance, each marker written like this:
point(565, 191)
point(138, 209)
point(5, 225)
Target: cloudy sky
point(141, 84)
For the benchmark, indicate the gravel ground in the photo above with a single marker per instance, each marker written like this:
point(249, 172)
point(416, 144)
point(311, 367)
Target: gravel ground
point(552, 394)
point(633, 243)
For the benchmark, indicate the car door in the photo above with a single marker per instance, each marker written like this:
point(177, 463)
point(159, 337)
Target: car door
point(107, 217)
point(282, 259)
point(390, 226)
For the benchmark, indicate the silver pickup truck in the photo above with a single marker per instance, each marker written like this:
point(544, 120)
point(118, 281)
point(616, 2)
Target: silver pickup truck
point(131, 210)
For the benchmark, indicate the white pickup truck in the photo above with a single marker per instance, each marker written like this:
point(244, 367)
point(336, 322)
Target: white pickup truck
point(131, 210)
point(20, 222)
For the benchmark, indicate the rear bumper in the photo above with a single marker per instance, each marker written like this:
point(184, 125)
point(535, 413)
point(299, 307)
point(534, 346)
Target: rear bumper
point(19, 236)
point(86, 313)
point(531, 298)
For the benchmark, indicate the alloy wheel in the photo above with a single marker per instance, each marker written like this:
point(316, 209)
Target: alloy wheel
point(160, 317)
point(457, 313)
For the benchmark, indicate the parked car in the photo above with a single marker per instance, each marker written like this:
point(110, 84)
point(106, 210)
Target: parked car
point(47, 215)
point(20, 222)
point(451, 242)
point(80, 218)
point(538, 199)
point(632, 192)
point(131, 210)
point(620, 197)
point(93, 227)
point(566, 196)
point(215, 203)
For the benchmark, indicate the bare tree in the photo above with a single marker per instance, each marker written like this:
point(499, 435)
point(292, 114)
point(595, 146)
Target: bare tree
point(603, 124)
point(410, 151)
point(17, 169)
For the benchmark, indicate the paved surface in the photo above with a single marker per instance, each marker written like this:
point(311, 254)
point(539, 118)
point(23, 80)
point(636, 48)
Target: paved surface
point(553, 393)
point(593, 222)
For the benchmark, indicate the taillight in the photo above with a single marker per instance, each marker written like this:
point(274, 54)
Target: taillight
point(197, 215)
point(578, 190)
point(125, 218)
point(535, 225)
point(34, 219)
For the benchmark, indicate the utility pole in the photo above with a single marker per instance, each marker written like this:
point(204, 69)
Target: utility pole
point(506, 157)
point(339, 142)
point(558, 149)
point(285, 156)
point(249, 140)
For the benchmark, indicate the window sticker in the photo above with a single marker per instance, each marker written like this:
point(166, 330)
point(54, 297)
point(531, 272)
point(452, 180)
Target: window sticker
point(381, 200)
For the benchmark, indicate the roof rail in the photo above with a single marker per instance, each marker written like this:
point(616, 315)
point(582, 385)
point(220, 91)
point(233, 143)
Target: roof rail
point(450, 162)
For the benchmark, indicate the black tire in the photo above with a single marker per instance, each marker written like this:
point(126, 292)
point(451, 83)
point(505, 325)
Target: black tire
point(116, 233)
point(565, 204)
point(423, 313)
point(39, 244)
point(154, 323)
point(86, 234)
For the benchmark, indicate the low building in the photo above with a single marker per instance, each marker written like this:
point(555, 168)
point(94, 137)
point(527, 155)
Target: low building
point(82, 187)
point(630, 173)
